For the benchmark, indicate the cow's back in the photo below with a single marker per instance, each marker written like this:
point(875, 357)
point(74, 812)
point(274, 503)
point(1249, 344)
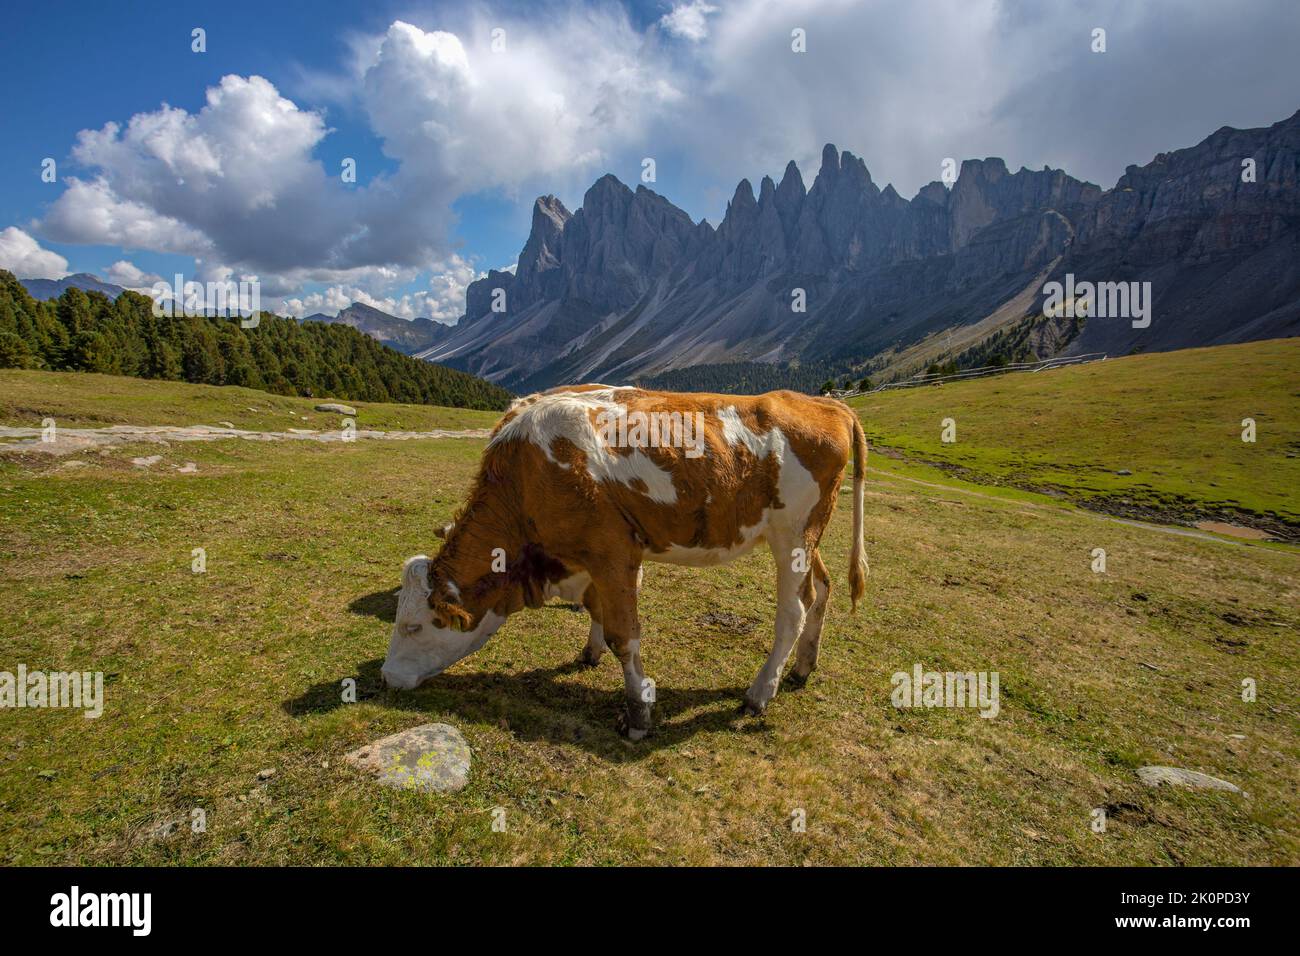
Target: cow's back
point(731, 470)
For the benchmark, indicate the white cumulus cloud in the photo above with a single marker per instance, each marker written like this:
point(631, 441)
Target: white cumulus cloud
point(27, 259)
point(689, 20)
point(130, 276)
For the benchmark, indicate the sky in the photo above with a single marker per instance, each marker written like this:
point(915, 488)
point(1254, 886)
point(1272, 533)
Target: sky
point(231, 161)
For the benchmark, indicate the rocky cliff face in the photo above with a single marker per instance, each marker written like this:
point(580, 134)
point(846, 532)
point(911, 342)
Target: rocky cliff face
point(628, 285)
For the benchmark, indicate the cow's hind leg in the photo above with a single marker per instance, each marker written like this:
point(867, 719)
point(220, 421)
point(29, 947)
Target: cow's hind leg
point(790, 612)
point(805, 657)
point(616, 590)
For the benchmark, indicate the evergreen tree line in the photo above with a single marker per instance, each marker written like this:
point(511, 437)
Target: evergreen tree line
point(89, 332)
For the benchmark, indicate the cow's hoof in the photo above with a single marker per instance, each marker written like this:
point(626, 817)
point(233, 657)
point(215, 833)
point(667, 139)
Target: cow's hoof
point(796, 681)
point(587, 659)
point(625, 729)
point(751, 709)
point(634, 722)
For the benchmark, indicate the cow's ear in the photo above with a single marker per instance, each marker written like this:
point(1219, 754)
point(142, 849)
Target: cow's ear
point(444, 530)
point(415, 574)
point(448, 616)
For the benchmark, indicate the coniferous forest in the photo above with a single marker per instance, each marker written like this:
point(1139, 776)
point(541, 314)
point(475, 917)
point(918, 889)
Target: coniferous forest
point(89, 332)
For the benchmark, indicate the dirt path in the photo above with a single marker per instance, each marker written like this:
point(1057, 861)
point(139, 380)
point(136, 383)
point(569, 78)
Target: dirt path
point(68, 440)
point(1096, 516)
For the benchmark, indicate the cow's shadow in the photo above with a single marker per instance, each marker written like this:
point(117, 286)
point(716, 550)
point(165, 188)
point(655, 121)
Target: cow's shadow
point(538, 704)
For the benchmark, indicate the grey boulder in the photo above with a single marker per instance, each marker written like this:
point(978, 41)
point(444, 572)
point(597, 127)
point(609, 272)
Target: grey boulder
point(431, 758)
point(334, 407)
point(1177, 777)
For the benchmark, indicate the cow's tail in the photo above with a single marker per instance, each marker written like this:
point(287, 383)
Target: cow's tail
point(858, 557)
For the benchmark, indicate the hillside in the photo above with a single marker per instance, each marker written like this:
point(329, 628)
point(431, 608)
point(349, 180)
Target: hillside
point(88, 332)
point(1151, 436)
point(628, 286)
point(91, 400)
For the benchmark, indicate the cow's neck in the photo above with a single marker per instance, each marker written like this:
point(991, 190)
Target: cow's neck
point(470, 558)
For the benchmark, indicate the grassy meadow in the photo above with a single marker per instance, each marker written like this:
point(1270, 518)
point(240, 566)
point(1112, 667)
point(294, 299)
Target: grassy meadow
point(88, 400)
point(1173, 421)
point(214, 678)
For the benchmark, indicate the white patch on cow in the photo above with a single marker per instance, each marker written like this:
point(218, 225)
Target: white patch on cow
point(796, 486)
point(568, 415)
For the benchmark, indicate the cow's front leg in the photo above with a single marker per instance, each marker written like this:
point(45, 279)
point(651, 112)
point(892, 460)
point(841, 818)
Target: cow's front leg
point(790, 612)
point(617, 594)
point(596, 647)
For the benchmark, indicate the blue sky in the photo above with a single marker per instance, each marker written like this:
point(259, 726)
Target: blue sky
point(453, 138)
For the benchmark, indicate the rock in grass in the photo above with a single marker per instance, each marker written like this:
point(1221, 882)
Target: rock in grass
point(334, 407)
point(1177, 777)
point(431, 758)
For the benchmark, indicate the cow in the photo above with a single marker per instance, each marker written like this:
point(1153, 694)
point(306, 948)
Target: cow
point(579, 485)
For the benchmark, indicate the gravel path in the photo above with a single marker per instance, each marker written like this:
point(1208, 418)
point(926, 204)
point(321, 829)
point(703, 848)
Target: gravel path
point(68, 440)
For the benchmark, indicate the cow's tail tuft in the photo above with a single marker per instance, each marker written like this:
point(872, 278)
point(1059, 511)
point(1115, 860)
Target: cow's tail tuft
point(858, 557)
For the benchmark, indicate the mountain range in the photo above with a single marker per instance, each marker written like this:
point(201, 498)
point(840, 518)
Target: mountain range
point(406, 336)
point(42, 289)
point(629, 288)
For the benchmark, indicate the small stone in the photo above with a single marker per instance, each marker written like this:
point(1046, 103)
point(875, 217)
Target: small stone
point(146, 461)
point(1123, 471)
point(335, 407)
point(189, 468)
point(429, 758)
point(1177, 777)
point(226, 424)
point(266, 774)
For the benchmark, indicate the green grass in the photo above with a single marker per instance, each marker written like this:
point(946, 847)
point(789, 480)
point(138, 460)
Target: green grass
point(214, 677)
point(84, 400)
point(1173, 420)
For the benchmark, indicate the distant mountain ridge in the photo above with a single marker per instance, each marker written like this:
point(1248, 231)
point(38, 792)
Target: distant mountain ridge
point(44, 289)
point(406, 336)
point(628, 286)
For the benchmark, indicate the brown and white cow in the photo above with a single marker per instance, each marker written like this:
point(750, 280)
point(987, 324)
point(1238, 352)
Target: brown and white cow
point(569, 502)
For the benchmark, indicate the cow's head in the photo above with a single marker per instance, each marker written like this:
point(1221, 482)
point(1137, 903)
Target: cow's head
point(432, 629)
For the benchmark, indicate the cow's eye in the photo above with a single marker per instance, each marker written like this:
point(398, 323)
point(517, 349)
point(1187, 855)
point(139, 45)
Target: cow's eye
point(411, 629)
